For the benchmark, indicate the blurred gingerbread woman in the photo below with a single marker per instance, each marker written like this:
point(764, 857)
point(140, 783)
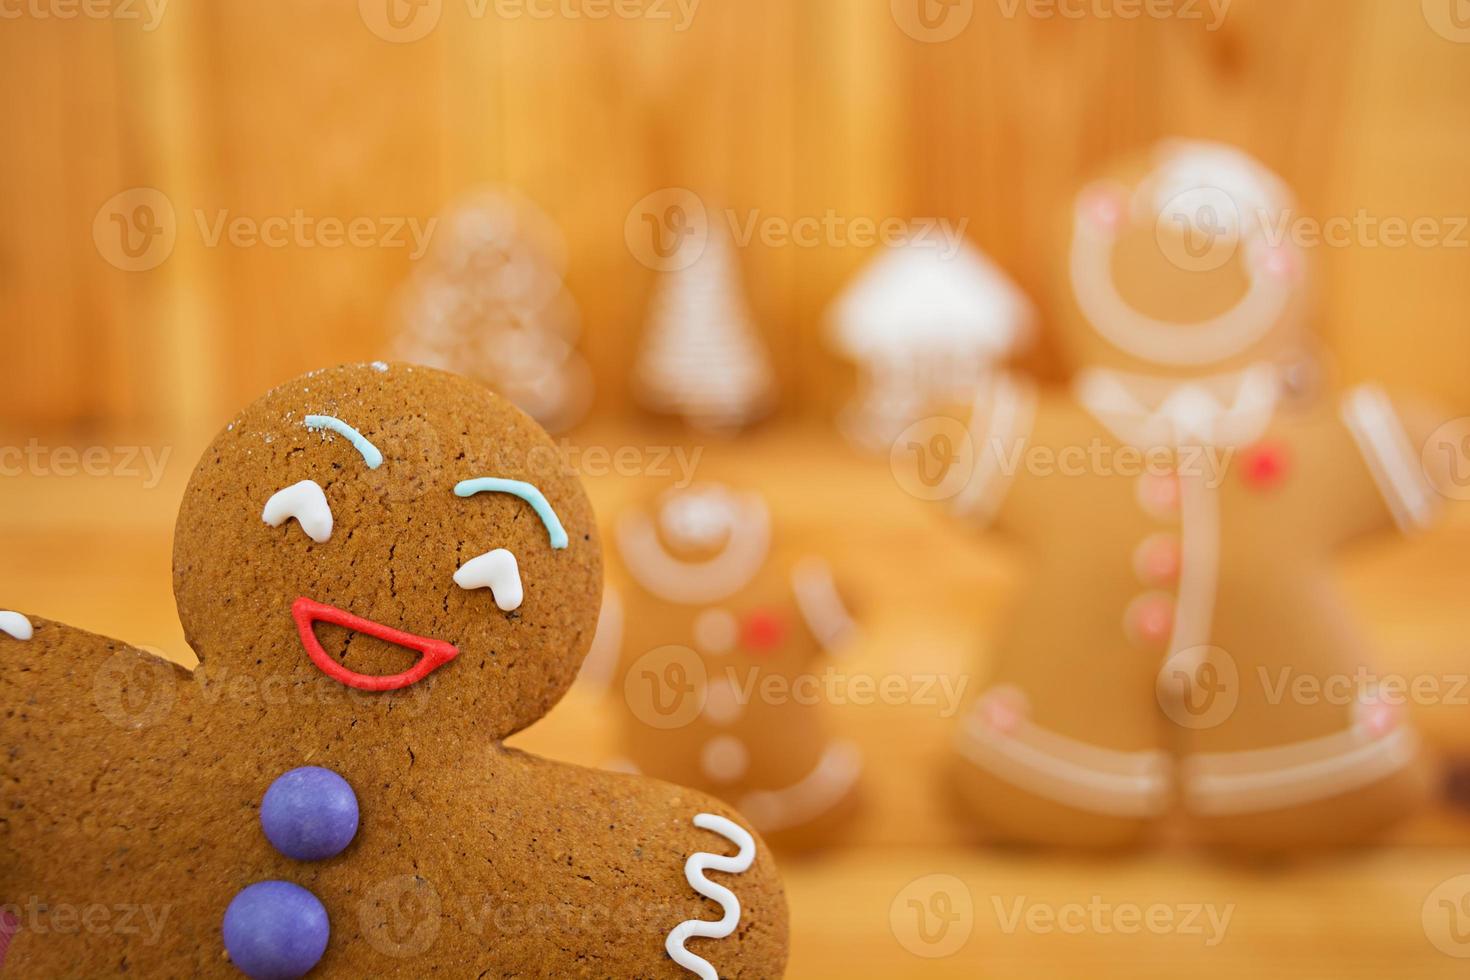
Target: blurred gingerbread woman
point(1180, 503)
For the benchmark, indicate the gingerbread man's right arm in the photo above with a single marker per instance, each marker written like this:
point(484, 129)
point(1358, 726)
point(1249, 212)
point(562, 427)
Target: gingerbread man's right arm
point(92, 731)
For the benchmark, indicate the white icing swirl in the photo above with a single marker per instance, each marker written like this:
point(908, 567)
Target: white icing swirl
point(694, 870)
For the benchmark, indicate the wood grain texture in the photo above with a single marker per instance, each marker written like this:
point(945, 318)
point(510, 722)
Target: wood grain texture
point(768, 109)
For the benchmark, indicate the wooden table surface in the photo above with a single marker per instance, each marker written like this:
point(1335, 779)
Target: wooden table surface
point(909, 882)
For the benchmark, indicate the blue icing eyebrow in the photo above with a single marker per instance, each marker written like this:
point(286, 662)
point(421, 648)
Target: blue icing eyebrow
point(370, 453)
point(527, 492)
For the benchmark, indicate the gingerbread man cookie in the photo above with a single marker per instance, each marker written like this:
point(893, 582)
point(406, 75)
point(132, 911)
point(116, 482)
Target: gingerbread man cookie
point(385, 571)
point(726, 633)
point(1181, 501)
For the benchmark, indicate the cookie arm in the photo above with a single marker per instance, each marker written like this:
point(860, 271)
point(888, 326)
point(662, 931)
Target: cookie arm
point(1000, 424)
point(1391, 457)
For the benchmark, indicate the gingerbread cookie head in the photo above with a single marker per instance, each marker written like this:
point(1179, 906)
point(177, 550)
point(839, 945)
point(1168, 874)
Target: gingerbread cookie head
point(381, 533)
point(696, 545)
point(1179, 262)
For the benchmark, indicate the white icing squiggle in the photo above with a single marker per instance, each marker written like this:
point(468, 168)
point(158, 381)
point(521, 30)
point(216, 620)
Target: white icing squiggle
point(694, 870)
point(15, 625)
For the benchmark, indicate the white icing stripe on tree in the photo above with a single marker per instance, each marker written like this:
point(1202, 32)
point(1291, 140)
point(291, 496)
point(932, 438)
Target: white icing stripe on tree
point(694, 871)
point(701, 356)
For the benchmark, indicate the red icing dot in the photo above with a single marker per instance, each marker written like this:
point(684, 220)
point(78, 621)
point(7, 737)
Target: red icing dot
point(763, 631)
point(1263, 467)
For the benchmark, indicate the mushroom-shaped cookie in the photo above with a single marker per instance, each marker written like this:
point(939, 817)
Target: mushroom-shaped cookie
point(385, 571)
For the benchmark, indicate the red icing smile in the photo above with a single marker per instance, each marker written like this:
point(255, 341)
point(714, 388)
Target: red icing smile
point(307, 612)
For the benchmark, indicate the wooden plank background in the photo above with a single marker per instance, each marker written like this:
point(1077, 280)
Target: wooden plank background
point(781, 108)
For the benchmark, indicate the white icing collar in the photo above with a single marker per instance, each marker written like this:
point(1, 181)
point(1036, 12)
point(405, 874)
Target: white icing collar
point(1142, 410)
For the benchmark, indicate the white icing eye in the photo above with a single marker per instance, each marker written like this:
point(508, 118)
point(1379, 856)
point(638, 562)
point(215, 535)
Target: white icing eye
point(497, 571)
point(305, 501)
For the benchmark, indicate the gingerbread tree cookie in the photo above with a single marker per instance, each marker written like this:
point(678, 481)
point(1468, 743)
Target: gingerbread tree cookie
point(726, 631)
point(1181, 501)
point(701, 357)
point(385, 572)
point(488, 301)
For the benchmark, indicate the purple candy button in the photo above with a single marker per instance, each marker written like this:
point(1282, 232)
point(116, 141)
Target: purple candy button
point(275, 930)
point(309, 814)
